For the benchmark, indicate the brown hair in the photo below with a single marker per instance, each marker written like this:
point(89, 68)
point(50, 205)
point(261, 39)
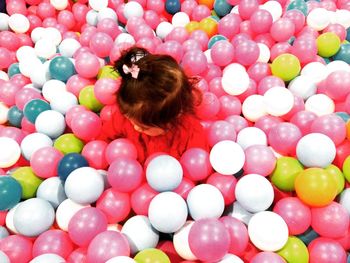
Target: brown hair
point(159, 94)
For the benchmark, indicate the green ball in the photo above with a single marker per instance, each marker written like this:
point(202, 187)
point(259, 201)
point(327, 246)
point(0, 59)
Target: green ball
point(68, 143)
point(61, 68)
point(343, 53)
point(294, 251)
point(328, 44)
point(28, 180)
point(298, 5)
point(286, 170)
point(286, 66)
point(10, 192)
point(13, 69)
point(338, 177)
point(33, 108)
point(346, 168)
point(15, 116)
point(87, 98)
point(151, 255)
point(108, 72)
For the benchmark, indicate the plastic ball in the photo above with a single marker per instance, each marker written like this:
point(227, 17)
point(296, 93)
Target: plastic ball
point(141, 198)
point(286, 66)
point(10, 152)
point(167, 212)
point(221, 130)
point(34, 107)
point(268, 257)
point(343, 53)
point(151, 255)
point(34, 142)
point(194, 62)
point(10, 192)
point(52, 190)
point(180, 19)
point(68, 143)
point(254, 107)
point(94, 153)
point(44, 162)
point(322, 250)
point(251, 136)
point(28, 181)
point(268, 231)
point(318, 19)
point(50, 123)
point(69, 163)
point(181, 243)
point(18, 23)
point(140, 233)
point(17, 248)
point(88, 99)
point(87, 65)
point(295, 249)
point(98, 5)
point(68, 47)
point(195, 164)
point(320, 104)
point(259, 160)
point(52, 88)
point(47, 257)
point(328, 44)
point(315, 150)
point(4, 258)
point(235, 79)
point(222, 53)
point(86, 125)
point(63, 102)
point(121, 259)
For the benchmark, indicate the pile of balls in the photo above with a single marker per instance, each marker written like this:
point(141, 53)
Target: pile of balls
point(275, 78)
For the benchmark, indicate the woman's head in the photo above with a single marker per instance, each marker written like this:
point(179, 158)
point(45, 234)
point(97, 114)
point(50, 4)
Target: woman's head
point(154, 89)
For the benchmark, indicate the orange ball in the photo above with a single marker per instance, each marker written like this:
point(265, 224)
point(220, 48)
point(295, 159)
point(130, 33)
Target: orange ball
point(208, 3)
point(192, 26)
point(316, 187)
point(348, 130)
point(209, 26)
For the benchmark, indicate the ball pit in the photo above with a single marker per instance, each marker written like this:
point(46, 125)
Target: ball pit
point(275, 83)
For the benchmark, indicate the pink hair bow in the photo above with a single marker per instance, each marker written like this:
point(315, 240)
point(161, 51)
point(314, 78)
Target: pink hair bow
point(133, 70)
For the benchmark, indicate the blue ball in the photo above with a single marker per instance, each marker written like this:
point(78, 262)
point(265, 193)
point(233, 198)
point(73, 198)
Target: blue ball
point(15, 116)
point(13, 69)
point(348, 34)
point(61, 68)
point(172, 6)
point(222, 8)
point(69, 163)
point(299, 5)
point(215, 39)
point(10, 192)
point(344, 115)
point(33, 108)
point(343, 53)
point(308, 236)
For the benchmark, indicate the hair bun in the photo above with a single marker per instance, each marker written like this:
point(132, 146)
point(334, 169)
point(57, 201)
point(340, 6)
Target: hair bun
point(129, 57)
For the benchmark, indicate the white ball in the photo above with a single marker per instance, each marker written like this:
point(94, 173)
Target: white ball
point(274, 8)
point(37, 34)
point(237, 211)
point(33, 142)
point(336, 65)
point(107, 13)
point(4, 75)
point(48, 257)
point(132, 9)
point(180, 19)
point(65, 211)
point(180, 241)
point(318, 19)
point(227, 157)
point(92, 17)
point(164, 173)
point(40, 75)
point(45, 48)
point(268, 231)
point(320, 104)
point(254, 192)
point(344, 199)
point(264, 55)
point(51, 123)
point(9, 219)
point(3, 257)
point(140, 233)
point(24, 53)
point(303, 86)
point(163, 29)
point(278, 101)
point(342, 17)
point(230, 258)
point(3, 233)
point(53, 88)
point(4, 22)
point(18, 23)
point(33, 217)
point(68, 47)
point(254, 107)
point(315, 150)
point(207, 54)
point(59, 4)
point(63, 102)
point(27, 66)
point(98, 5)
point(251, 136)
point(167, 212)
point(3, 113)
point(235, 80)
point(124, 38)
point(316, 71)
point(54, 35)
point(121, 259)
point(205, 201)
point(51, 190)
point(234, 10)
point(10, 152)
point(84, 185)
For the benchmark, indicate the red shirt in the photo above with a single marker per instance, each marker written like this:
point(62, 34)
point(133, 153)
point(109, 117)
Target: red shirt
point(188, 134)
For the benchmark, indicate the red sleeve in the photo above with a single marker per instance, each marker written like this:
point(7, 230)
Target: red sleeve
point(112, 123)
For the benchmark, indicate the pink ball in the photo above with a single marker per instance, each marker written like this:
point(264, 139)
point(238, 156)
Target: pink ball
point(78, 256)
point(187, 6)
point(228, 26)
point(34, 22)
point(27, 126)
point(184, 187)
point(17, 248)
point(282, 29)
point(329, 5)
point(338, 84)
point(305, 49)
point(147, 43)
point(201, 37)
point(171, 48)
point(279, 48)
point(194, 62)
point(331, 125)
point(152, 19)
point(195, 164)
point(115, 205)
point(9, 40)
point(209, 240)
point(79, 11)
point(229, 105)
point(25, 95)
point(269, 257)
point(109, 27)
point(156, 6)
point(246, 28)
point(120, 13)
point(331, 221)
point(20, 80)
point(216, 88)
point(261, 21)
point(87, 65)
point(94, 153)
point(238, 234)
point(199, 12)
point(296, 214)
point(72, 112)
point(86, 125)
point(247, 7)
point(44, 162)
point(16, 7)
point(87, 34)
point(337, 29)
point(13, 133)
point(66, 18)
point(125, 174)
point(178, 34)
point(298, 105)
point(45, 10)
point(8, 91)
point(324, 250)
point(265, 123)
point(24, 40)
point(120, 147)
point(107, 245)
point(105, 90)
point(222, 53)
point(226, 185)
point(213, 71)
point(259, 70)
point(53, 241)
point(143, 30)
point(304, 119)
point(133, 23)
point(141, 198)
point(5, 58)
point(247, 52)
point(259, 160)
point(191, 44)
point(76, 83)
point(209, 106)
point(297, 17)
point(221, 130)
point(284, 137)
point(101, 43)
point(85, 225)
point(265, 39)
point(238, 122)
point(268, 83)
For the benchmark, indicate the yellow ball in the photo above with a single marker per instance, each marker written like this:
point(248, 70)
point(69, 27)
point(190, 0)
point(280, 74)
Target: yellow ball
point(286, 66)
point(328, 44)
point(107, 72)
point(192, 26)
point(68, 143)
point(294, 251)
point(28, 180)
point(209, 26)
point(87, 98)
